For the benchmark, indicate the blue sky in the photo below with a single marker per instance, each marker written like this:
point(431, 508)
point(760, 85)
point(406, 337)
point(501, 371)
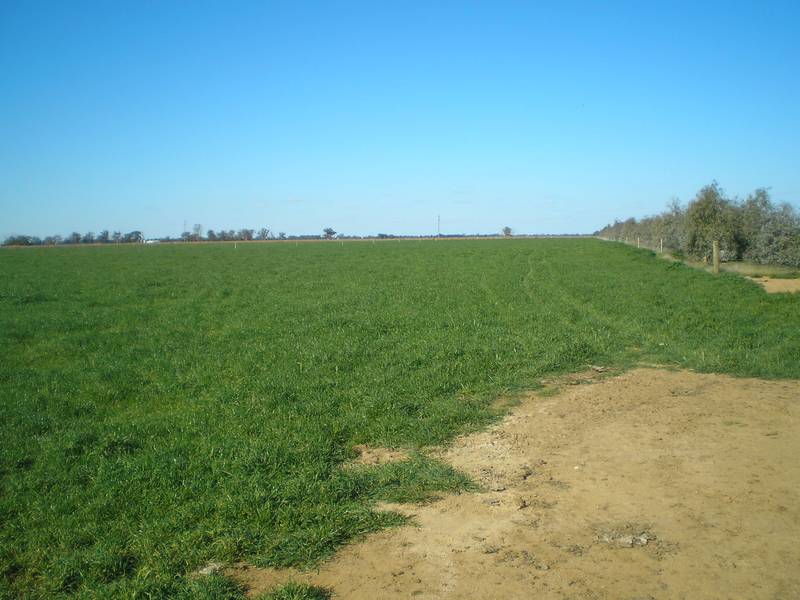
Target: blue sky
point(377, 116)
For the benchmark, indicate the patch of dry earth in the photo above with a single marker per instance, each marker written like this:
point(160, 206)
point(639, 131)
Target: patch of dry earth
point(375, 455)
point(777, 286)
point(651, 484)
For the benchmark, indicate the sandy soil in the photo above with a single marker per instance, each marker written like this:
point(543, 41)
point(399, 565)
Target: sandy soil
point(774, 286)
point(369, 455)
point(650, 484)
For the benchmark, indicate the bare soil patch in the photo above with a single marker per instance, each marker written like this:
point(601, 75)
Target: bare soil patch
point(368, 455)
point(775, 286)
point(650, 484)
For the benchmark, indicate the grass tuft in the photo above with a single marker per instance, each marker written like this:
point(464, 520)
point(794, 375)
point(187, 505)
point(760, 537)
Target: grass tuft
point(297, 591)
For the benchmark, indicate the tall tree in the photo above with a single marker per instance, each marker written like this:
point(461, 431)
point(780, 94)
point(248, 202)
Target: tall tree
point(710, 217)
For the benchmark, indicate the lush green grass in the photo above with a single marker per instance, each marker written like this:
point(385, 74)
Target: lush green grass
point(166, 406)
point(297, 591)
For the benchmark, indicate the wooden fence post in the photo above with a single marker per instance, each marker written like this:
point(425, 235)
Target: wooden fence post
point(638, 245)
point(715, 257)
point(661, 245)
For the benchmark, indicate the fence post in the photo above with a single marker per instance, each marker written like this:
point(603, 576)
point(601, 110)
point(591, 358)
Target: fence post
point(638, 245)
point(661, 245)
point(715, 257)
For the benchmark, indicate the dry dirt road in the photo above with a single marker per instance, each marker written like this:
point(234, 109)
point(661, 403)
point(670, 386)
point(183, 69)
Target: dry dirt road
point(778, 286)
point(650, 484)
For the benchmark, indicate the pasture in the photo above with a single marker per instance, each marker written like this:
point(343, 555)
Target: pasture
point(162, 407)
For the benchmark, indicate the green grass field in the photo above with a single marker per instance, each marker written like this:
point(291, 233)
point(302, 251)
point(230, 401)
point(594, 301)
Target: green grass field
point(164, 406)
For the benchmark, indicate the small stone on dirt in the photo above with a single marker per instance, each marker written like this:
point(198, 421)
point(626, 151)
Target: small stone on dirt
point(625, 539)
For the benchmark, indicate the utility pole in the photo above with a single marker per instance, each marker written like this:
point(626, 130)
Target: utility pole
point(438, 226)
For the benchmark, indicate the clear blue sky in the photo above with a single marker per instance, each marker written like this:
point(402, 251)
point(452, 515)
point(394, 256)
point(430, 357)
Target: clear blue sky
point(377, 116)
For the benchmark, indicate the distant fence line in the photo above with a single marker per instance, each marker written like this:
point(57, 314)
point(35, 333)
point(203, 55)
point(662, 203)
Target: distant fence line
point(753, 229)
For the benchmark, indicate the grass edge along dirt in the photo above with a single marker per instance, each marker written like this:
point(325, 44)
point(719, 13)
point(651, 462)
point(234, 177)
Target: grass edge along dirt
point(164, 407)
point(221, 587)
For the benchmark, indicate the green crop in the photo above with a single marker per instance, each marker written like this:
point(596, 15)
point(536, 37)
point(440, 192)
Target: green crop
point(166, 406)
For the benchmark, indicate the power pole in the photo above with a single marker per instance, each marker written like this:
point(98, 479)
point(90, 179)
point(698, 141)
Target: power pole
point(438, 226)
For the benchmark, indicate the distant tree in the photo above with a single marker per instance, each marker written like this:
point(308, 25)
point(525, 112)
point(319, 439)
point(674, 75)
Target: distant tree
point(507, 231)
point(103, 237)
point(778, 239)
point(672, 226)
point(22, 240)
point(134, 237)
point(74, 238)
point(754, 229)
point(246, 234)
point(197, 233)
point(263, 233)
point(628, 229)
point(755, 214)
point(329, 233)
point(52, 240)
point(710, 216)
point(88, 238)
point(211, 236)
point(116, 237)
point(281, 235)
point(186, 236)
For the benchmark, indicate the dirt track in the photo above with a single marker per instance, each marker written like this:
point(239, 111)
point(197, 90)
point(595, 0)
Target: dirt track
point(652, 484)
point(777, 286)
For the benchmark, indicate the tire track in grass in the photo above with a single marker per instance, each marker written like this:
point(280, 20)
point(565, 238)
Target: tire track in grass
point(548, 286)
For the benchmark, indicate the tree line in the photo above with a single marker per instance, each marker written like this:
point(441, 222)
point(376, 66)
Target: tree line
point(754, 229)
point(244, 235)
point(231, 235)
point(104, 237)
